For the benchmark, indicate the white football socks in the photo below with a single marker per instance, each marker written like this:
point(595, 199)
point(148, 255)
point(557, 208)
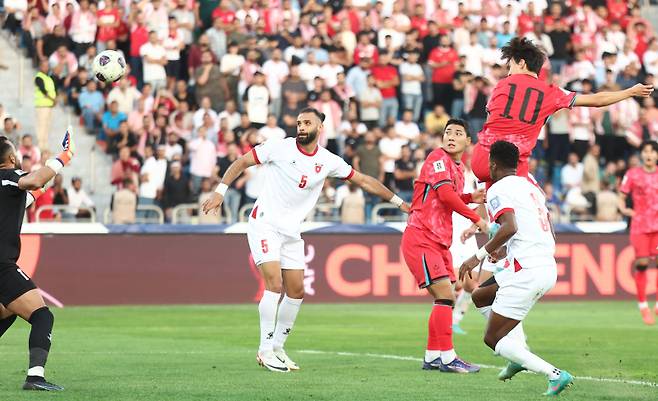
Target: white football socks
point(267, 311)
point(288, 310)
point(512, 350)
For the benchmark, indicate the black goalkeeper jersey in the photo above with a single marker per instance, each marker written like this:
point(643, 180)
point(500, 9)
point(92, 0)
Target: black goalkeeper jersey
point(12, 211)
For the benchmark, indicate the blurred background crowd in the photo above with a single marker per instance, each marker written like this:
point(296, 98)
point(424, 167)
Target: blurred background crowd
point(208, 80)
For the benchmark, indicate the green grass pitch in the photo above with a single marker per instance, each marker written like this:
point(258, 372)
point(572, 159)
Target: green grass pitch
point(346, 352)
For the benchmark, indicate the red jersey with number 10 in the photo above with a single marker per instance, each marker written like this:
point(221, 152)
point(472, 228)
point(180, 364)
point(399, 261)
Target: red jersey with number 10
point(519, 107)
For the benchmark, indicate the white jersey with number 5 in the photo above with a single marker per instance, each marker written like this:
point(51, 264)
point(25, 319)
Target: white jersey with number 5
point(533, 244)
point(293, 180)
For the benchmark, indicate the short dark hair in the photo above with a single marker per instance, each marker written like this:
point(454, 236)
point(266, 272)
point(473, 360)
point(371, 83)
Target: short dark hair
point(458, 121)
point(653, 144)
point(505, 154)
point(5, 148)
point(523, 49)
point(315, 111)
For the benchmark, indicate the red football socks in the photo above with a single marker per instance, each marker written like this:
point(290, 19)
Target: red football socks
point(440, 328)
point(641, 285)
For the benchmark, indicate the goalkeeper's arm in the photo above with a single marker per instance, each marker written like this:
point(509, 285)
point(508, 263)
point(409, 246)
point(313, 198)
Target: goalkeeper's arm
point(37, 179)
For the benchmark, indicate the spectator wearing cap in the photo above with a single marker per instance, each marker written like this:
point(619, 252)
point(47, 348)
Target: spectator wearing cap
point(217, 39)
point(155, 60)
point(412, 78)
point(387, 80)
point(210, 82)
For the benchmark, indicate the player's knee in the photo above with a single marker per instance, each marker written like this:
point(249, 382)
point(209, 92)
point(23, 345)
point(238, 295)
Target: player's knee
point(42, 316)
point(642, 264)
point(297, 293)
point(478, 298)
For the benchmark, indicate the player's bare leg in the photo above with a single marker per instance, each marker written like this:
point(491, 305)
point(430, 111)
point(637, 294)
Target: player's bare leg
point(440, 353)
point(293, 284)
point(267, 308)
point(640, 276)
point(31, 307)
point(463, 299)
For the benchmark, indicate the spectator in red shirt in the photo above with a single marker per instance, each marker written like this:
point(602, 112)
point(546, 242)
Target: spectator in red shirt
point(443, 61)
point(225, 14)
point(365, 49)
point(419, 22)
point(109, 20)
point(139, 35)
point(388, 81)
point(125, 167)
point(617, 9)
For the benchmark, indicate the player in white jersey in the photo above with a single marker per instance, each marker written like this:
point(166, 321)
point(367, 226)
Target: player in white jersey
point(530, 270)
point(295, 170)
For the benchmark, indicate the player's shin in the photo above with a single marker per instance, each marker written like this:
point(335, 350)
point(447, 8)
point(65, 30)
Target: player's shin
point(514, 351)
point(267, 312)
point(42, 324)
point(440, 331)
point(286, 316)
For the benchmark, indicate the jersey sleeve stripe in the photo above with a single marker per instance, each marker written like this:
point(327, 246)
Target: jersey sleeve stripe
point(253, 151)
point(573, 101)
point(503, 211)
point(349, 176)
point(440, 183)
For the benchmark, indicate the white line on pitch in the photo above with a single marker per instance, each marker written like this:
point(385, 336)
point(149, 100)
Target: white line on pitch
point(415, 359)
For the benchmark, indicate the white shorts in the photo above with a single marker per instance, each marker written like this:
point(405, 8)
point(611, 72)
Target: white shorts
point(269, 245)
point(519, 291)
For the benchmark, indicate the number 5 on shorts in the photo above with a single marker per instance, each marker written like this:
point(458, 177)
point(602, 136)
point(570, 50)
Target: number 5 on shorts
point(263, 245)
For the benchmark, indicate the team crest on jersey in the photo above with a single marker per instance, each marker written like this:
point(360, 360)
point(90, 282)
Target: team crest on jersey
point(439, 166)
point(318, 167)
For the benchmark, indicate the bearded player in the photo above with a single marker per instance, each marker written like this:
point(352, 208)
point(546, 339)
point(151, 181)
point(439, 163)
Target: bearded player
point(438, 192)
point(641, 183)
point(521, 104)
point(519, 207)
point(19, 296)
point(295, 170)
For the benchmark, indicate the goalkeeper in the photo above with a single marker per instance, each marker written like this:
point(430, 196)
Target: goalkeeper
point(19, 295)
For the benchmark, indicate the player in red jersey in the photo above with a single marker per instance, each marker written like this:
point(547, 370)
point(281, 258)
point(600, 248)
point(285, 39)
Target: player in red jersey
point(428, 236)
point(641, 183)
point(521, 104)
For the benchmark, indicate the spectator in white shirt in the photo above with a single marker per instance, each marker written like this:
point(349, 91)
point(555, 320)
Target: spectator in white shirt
point(412, 77)
point(172, 147)
point(271, 130)
point(83, 28)
point(78, 198)
point(407, 128)
point(155, 60)
point(256, 101)
point(276, 70)
point(203, 157)
point(231, 114)
point(205, 108)
point(125, 95)
point(231, 65)
point(173, 44)
point(152, 175)
point(650, 58)
point(391, 148)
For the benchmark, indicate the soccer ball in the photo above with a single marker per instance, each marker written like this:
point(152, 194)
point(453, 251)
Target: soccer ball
point(109, 66)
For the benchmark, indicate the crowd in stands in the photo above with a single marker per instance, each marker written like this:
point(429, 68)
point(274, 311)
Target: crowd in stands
point(208, 80)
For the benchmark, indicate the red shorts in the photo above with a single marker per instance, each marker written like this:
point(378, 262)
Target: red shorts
point(426, 260)
point(645, 244)
point(480, 165)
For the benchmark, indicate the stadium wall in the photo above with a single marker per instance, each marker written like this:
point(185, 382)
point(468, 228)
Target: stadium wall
point(105, 269)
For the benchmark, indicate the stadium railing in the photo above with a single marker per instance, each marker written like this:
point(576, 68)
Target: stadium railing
point(141, 218)
point(395, 216)
point(177, 217)
point(70, 217)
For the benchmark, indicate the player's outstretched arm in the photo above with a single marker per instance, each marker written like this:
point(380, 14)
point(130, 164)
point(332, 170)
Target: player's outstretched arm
point(234, 170)
point(371, 185)
point(37, 179)
point(449, 197)
point(506, 231)
point(607, 98)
